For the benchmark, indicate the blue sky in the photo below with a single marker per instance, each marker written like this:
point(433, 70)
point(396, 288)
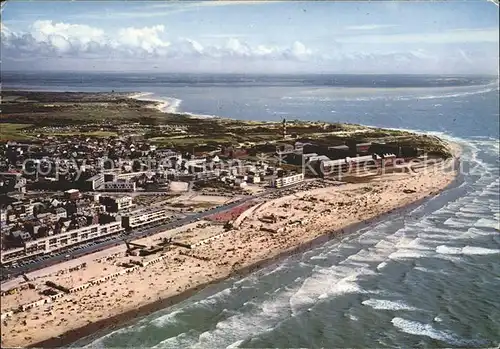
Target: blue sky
point(251, 36)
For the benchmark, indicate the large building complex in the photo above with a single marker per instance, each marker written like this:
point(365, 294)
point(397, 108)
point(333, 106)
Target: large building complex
point(56, 242)
point(116, 204)
point(289, 180)
point(144, 217)
point(120, 186)
point(96, 182)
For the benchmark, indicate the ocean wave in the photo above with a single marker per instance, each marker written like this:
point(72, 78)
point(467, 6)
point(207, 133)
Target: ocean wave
point(382, 265)
point(246, 324)
point(474, 215)
point(235, 344)
point(474, 208)
point(420, 329)
point(459, 222)
point(100, 342)
point(408, 254)
point(430, 271)
point(384, 304)
point(467, 250)
point(488, 223)
point(475, 232)
point(325, 283)
point(254, 318)
point(166, 319)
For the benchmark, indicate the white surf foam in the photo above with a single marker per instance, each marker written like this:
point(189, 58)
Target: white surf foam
point(381, 265)
point(459, 222)
point(488, 223)
point(366, 256)
point(384, 304)
point(319, 257)
point(473, 233)
point(99, 343)
point(421, 329)
point(327, 283)
point(437, 319)
point(172, 106)
point(245, 325)
point(471, 250)
point(407, 254)
point(165, 319)
point(426, 270)
point(233, 330)
point(235, 344)
point(467, 250)
point(352, 317)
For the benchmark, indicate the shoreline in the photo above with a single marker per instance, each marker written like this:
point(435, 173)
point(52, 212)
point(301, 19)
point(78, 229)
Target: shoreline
point(159, 104)
point(124, 317)
point(98, 328)
point(165, 106)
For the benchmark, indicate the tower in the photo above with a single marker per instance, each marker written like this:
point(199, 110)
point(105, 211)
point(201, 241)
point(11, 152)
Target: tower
point(284, 128)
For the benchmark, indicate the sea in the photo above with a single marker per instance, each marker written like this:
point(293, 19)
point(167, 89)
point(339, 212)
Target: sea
point(427, 277)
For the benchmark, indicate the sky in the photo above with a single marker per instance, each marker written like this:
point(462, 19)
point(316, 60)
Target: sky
point(401, 37)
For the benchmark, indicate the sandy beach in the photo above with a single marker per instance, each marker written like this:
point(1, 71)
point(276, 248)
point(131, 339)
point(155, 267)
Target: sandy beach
point(161, 105)
point(266, 232)
point(168, 106)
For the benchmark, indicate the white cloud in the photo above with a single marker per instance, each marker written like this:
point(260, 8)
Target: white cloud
point(370, 26)
point(54, 44)
point(48, 39)
point(44, 30)
point(147, 38)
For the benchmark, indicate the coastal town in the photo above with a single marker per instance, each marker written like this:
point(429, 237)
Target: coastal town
point(141, 212)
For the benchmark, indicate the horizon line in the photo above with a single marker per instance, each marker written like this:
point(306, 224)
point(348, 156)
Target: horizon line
point(237, 73)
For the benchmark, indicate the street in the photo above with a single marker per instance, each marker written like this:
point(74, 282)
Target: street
point(111, 241)
point(76, 251)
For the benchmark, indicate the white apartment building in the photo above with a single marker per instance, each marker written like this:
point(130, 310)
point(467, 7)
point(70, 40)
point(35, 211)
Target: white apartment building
point(334, 166)
point(142, 218)
point(126, 176)
point(124, 203)
point(3, 216)
point(57, 242)
point(285, 181)
point(119, 186)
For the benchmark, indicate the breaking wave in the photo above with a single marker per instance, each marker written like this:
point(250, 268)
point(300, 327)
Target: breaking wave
point(427, 330)
point(382, 304)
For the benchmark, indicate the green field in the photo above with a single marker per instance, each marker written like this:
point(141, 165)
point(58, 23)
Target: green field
point(97, 134)
point(190, 141)
point(12, 132)
point(86, 114)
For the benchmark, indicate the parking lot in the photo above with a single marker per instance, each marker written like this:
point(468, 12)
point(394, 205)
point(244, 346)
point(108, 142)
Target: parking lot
point(67, 253)
point(34, 263)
